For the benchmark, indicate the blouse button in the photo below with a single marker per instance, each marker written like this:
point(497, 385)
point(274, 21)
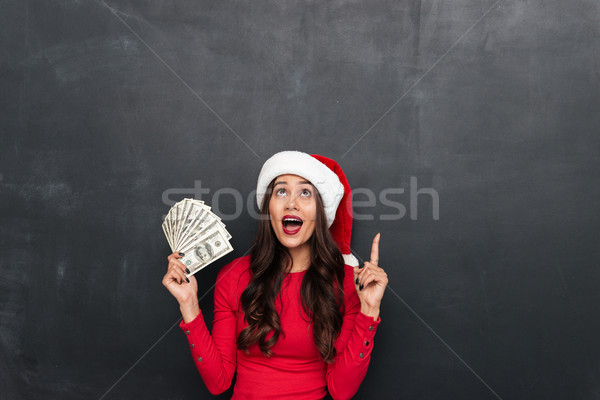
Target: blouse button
point(361, 355)
point(192, 345)
point(371, 328)
point(199, 359)
point(187, 332)
point(366, 343)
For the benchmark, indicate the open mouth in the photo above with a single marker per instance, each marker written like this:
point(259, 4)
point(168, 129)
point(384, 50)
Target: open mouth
point(291, 224)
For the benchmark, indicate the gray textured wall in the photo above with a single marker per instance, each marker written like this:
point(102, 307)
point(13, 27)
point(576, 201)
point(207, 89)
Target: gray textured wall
point(109, 109)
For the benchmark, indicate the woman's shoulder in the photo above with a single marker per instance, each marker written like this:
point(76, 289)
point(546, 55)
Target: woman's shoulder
point(348, 276)
point(236, 271)
point(237, 267)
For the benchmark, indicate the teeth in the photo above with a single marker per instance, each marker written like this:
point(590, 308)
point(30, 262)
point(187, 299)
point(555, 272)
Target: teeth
point(292, 220)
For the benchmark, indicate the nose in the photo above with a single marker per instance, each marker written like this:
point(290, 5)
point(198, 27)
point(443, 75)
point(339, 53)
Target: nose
point(291, 203)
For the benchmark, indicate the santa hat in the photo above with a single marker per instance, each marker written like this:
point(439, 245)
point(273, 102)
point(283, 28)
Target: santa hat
point(329, 179)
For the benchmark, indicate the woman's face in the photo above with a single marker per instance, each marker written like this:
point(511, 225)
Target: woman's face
point(293, 210)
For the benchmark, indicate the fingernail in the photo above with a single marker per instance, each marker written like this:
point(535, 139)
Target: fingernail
point(186, 278)
point(181, 254)
point(357, 281)
point(361, 287)
point(187, 271)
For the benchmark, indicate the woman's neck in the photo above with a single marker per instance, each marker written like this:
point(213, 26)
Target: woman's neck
point(300, 258)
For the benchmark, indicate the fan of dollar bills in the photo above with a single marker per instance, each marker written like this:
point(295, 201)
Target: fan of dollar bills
point(191, 228)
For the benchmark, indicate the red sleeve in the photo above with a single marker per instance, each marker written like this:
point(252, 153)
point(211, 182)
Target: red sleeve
point(215, 356)
point(353, 345)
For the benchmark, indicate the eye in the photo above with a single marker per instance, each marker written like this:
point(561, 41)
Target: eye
point(305, 193)
point(280, 192)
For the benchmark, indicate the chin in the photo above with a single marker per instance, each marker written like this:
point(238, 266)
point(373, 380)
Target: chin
point(292, 241)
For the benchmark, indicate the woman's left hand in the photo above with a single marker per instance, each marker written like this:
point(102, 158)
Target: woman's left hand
point(370, 281)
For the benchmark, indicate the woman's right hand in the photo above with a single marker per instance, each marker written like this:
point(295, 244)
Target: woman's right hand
point(185, 290)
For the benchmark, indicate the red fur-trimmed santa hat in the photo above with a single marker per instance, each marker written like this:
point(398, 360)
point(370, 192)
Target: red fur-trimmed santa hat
point(329, 179)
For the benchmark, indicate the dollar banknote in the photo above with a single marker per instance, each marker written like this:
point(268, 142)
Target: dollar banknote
point(208, 249)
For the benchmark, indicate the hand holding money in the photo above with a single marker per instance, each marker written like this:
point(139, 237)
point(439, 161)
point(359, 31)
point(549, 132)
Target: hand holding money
point(186, 293)
point(197, 237)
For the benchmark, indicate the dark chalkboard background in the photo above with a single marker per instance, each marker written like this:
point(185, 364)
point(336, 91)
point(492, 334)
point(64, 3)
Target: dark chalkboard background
point(109, 111)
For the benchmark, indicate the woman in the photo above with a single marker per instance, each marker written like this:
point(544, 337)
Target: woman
point(294, 319)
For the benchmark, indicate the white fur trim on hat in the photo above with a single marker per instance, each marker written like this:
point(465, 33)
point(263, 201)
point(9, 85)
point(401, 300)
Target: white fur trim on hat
point(350, 260)
point(298, 163)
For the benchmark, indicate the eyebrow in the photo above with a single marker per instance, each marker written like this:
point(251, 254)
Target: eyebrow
point(285, 183)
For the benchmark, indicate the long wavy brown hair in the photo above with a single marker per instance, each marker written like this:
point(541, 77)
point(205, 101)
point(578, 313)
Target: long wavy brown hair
point(321, 291)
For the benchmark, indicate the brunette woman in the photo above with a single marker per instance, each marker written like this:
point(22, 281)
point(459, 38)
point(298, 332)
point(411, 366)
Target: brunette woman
point(296, 318)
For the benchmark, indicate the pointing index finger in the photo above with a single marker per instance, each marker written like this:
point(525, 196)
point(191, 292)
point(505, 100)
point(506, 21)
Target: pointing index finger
point(375, 250)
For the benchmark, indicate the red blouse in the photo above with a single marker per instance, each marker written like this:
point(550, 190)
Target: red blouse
point(295, 370)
